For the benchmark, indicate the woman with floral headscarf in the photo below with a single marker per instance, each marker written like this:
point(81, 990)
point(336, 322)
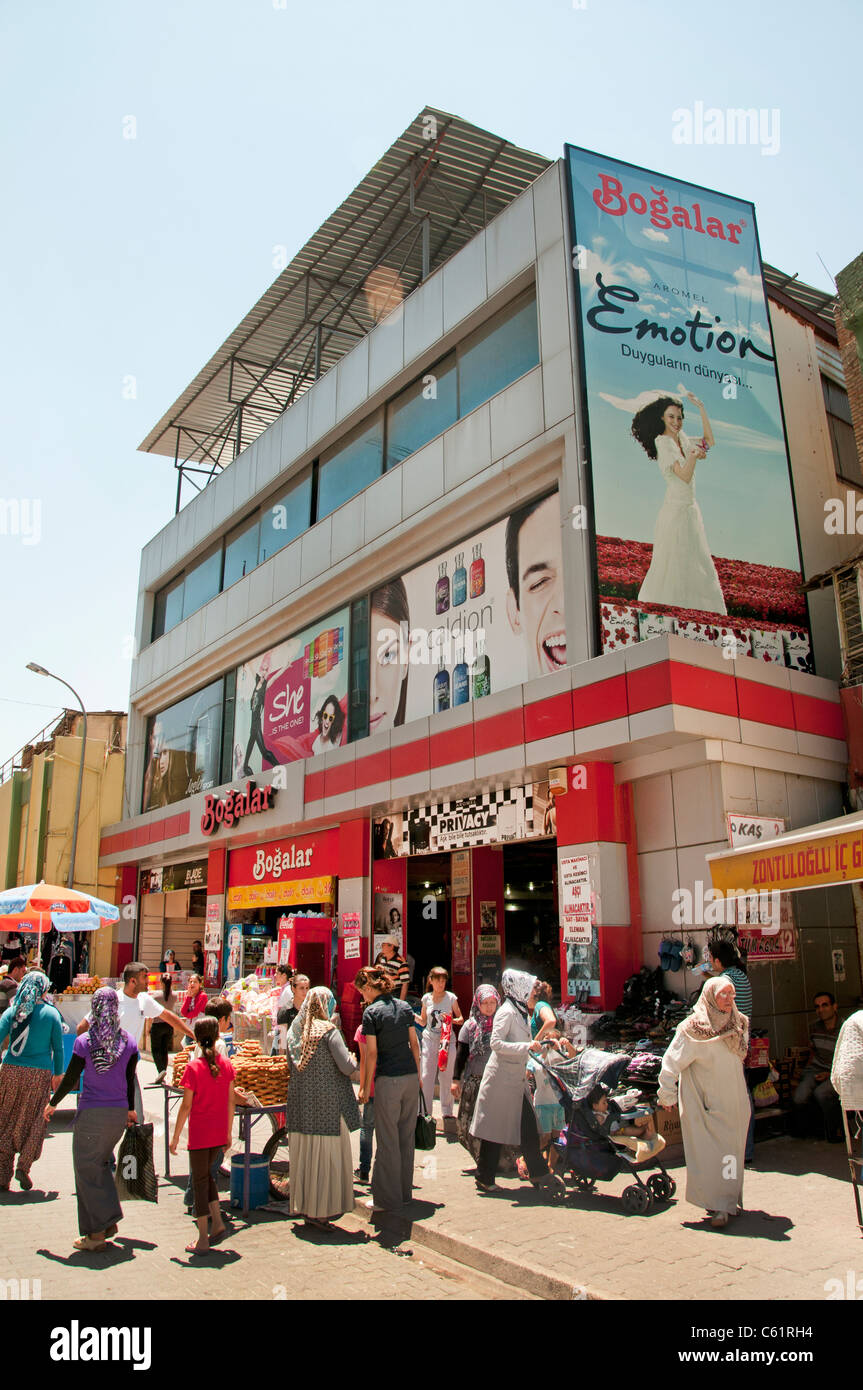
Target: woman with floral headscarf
point(504, 1113)
point(104, 1060)
point(321, 1112)
point(702, 1072)
point(31, 1031)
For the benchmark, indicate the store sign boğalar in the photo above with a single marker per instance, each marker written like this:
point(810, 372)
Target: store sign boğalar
point(229, 809)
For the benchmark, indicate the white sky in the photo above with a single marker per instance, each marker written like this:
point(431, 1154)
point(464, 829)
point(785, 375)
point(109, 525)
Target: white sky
point(138, 257)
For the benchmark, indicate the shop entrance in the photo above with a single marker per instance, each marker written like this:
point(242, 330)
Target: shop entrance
point(429, 940)
point(532, 937)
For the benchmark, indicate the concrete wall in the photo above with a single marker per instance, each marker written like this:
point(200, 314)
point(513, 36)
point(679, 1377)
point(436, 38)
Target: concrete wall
point(506, 450)
point(814, 475)
point(680, 818)
point(56, 771)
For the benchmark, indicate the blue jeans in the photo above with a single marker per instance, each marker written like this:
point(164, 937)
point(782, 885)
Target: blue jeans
point(367, 1136)
point(188, 1196)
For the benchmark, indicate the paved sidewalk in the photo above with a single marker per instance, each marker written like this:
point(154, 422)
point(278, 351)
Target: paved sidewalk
point(799, 1230)
point(269, 1256)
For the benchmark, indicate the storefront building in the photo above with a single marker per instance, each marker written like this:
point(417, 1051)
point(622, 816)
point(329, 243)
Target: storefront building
point(410, 658)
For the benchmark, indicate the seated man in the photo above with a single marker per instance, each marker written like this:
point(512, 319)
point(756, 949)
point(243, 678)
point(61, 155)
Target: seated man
point(847, 1073)
point(815, 1082)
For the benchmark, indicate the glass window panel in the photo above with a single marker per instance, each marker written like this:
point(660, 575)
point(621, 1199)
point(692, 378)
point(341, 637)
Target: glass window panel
point(168, 608)
point(288, 517)
point(228, 727)
point(845, 458)
point(497, 354)
point(241, 552)
point(358, 703)
point(351, 466)
point(202, 582)
point(425, 409)
point(184, 746)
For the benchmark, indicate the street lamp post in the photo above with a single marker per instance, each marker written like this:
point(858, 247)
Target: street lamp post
point(40, 671)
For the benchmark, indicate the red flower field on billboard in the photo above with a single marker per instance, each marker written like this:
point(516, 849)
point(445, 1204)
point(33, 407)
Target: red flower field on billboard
point(762, 592)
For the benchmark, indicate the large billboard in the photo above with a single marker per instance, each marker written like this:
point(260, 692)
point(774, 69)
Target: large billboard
point(184, 746)
point(483, 615)
point(693, 508)
point(292, 701)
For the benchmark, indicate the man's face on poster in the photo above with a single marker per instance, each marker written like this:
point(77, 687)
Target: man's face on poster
point(537, 613)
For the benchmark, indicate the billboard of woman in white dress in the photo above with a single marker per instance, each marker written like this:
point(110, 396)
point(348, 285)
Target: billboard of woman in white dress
point(693, 509)
point(682, 573)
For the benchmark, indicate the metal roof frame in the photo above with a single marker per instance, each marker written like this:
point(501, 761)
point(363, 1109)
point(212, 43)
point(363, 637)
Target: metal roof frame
point(437, 185)
point(815, 306)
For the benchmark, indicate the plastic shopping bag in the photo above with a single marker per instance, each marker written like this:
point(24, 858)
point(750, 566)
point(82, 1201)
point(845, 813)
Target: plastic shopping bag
point(136, 1174)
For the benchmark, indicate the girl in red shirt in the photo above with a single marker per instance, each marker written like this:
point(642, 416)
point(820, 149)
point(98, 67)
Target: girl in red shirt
point(208, 1104)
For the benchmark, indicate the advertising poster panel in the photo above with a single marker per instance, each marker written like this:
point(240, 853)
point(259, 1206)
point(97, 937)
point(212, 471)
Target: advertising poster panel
point(483, 615)
point(494, 817)
point(389, 921)
point(693, 508)
point(184, 745)
point(292, 701)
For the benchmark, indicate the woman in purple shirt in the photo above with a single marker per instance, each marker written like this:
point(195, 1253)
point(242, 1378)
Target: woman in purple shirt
point(106, 1057)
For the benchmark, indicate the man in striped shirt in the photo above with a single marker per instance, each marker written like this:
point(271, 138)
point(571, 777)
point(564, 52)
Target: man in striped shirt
point(724, 960)
point(395, 965)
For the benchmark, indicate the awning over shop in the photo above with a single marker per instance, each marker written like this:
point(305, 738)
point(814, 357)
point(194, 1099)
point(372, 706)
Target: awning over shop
point(814, 857)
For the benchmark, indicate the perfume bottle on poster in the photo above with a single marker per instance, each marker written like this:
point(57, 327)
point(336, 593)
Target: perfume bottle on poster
point(481, 671)
point(477, 572)
point(441, 687)
point(461, 680)
point(459, 581)
point(441, 590)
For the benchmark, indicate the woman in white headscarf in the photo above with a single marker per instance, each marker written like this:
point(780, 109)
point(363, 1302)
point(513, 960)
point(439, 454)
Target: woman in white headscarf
point(321, 1112)
point(504, 1112)
point(702, 1072)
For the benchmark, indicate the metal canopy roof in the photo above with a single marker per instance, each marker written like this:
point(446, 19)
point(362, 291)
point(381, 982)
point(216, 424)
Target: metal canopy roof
point(817, 306)
point(433, 189)
point(436, 186)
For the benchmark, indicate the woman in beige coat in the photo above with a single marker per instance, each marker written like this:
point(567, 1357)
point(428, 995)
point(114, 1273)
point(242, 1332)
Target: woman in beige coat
point(504, 1112)
point(702, 1072)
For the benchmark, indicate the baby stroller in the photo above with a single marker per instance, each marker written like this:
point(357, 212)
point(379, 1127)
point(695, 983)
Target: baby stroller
point(587, 1151)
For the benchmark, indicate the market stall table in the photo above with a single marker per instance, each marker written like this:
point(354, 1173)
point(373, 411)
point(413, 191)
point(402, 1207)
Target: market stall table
point(245, 1114)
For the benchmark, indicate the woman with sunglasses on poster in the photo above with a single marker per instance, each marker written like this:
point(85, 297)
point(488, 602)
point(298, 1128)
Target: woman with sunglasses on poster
point(330, 721)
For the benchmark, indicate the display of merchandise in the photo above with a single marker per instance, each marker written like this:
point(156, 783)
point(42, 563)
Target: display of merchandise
point(61, 967)
point(254, 995)
point(441, 687)
point(477, 572)
point(266, 1078)
point(441, 590)
point(181, 1061)
point(84, 984)
point(459, 581)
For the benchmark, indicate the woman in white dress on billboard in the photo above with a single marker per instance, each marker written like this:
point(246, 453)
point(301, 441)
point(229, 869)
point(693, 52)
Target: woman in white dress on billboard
point(682, 573)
